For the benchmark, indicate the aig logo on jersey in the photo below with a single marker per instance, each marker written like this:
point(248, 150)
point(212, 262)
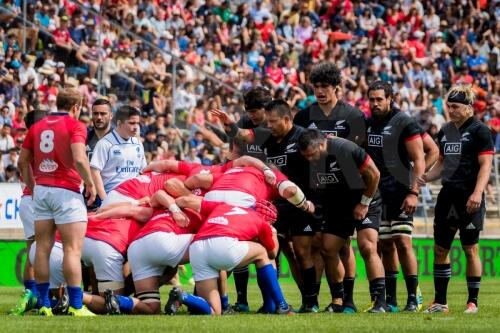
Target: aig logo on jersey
point(277, 160)
point(375, 140)
point(254, 148)
point(453, 148)
point(327, 178)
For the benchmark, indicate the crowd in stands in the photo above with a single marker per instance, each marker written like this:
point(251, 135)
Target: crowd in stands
point(126, 50)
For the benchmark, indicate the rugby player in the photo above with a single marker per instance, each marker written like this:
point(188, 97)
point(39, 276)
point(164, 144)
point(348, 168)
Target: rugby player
point(464, 165)
point(348, 179)
point(334, 117)
point(395, 144)
point(119, 155)
point(28, 300)
point(58, 170)
point(225, 241)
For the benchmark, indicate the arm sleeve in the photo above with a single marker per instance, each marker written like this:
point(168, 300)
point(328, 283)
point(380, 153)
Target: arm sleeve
point(79, 133)
point(100, 154)
point(28, 141)
point(266, 236)
point(185, 168)
point(484, 141)
point(411, 131)
point(207, 207)
point(299, 118)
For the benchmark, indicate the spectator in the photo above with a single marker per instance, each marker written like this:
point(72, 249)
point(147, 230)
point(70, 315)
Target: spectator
point(6, 140)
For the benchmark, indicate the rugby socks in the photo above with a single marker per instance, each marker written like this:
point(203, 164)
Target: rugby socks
point(336, 290)
point(377, 290)
point(267, 275)
point(268, 306)
point(53, 302)
point(391, 278)
point(126, 303)
point(196, 303)
point(411, 287)
point(317, 288)
point(473, 283)
point(442, 275)
point(75, 297)
point(241, 276)
point(30, 285)
point(43, 295)
point(224, 301)
point(309, 286)
point(349, 290)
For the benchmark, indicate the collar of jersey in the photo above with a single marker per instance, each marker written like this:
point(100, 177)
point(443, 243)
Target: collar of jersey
point(467, 123)
point(59, 113)
point(119, 138)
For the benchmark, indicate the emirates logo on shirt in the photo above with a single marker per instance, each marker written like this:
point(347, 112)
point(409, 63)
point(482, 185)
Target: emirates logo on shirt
point(48, 166)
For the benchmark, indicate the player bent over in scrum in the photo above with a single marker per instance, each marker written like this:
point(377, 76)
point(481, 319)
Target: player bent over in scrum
point(224, 242)
point(348, 179)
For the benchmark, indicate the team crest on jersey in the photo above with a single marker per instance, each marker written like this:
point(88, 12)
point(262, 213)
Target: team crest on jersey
point(218, 220)
point(386, 130)
point(453, 148)
point(375, 140)
point(334, 167)
point(291, 148)
point(465, 137)
point(338, 125)
point(327, 178)
point(48, 166)
point(277, 160)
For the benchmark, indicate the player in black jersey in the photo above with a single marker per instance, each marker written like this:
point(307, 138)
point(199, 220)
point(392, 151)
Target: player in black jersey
point(464, 165)
point(282, 150)
point(348, 179)
point(395, 144)
point(334, 117)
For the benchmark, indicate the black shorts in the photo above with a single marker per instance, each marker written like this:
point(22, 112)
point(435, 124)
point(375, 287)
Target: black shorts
point(451, 215)
point(338, 219)
point(394, 221)
point(293, 221)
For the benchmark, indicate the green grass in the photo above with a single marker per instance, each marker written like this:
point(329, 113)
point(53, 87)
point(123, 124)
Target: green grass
point(488, 319)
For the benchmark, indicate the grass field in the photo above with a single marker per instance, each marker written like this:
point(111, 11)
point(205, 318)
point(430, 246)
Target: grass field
point(488, 319)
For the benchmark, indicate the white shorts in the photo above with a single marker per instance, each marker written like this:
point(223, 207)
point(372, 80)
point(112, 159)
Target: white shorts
point(233, 198)
point(59, 204)
point(56, 278)
point(150, 255)
point(210, 256)
point(27, 215)
point(107, 262)
point(115, 197)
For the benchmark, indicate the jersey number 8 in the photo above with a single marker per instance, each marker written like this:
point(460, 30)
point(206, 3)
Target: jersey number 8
point(47, 141)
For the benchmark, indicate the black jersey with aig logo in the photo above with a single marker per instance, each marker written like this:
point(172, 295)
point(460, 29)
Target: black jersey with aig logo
point(286, 156)
point(261, 134)
point(344, 121)
point(338, 173)
point(385, 143)
point(460, 148)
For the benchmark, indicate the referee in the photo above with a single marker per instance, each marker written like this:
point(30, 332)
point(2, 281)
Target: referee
point(119, 155)
point(394, 143)
point(464, 166)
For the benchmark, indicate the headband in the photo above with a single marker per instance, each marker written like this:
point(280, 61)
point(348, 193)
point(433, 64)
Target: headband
point(459, 97)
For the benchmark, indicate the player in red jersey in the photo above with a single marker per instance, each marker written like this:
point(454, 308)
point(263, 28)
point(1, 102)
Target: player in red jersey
point(27, 214)
point(161, 243)
point(56, 147)
point(226, 241)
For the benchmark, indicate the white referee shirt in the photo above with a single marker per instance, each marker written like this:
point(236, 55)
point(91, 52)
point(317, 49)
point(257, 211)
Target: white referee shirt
point(117, 159)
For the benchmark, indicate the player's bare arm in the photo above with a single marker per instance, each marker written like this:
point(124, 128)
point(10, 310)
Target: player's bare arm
point(434, 173)
point(371, 177)
point(250, 161)
point(232, 128)
point(82, 165)
point(416, 154)
point(203, 181)
point(24, 164)
point(99, 185)
point(189, 201)
point(162, 199)
point(162, 166)
point(431, 151)
point(474, 202)
point(294, 195)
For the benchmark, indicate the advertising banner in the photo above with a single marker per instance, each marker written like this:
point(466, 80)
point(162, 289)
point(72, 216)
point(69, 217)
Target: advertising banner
point(13, 254)
point(10, 198)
